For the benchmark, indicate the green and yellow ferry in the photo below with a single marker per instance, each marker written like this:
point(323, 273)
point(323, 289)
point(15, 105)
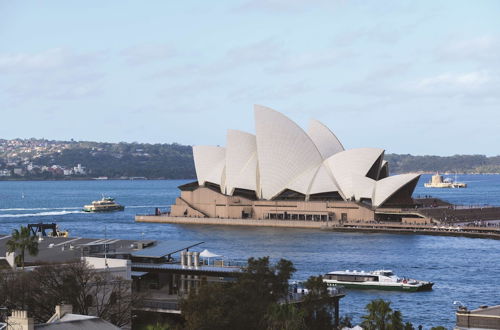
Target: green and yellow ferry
point(375, 280)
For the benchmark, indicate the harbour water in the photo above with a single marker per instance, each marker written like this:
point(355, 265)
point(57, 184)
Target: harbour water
point(463, 269)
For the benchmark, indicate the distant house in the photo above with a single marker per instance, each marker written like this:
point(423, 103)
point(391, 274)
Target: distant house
point(19, 171)
point(79, 170)
point(5, 172)
point(63, 318)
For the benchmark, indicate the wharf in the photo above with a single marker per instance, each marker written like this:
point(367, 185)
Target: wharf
point(491, 232)
point(233, 222)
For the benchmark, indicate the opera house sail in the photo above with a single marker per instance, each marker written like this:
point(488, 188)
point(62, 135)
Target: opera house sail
point(284, 172)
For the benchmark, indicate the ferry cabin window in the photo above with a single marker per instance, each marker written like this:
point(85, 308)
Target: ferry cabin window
point(354, 278)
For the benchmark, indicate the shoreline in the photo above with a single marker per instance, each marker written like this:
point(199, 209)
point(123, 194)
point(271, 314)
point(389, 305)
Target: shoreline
point(396, 228)
point(87, 179)
point(10, 179)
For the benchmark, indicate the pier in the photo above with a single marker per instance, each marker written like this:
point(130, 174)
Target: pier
point(491, 232)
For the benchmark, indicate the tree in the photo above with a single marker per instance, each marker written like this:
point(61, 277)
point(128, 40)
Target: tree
point(89, 291)
point(317, 304)
point(242, 304)
point(285, 317)
point(409, 326)
point(396, 321)
point(22, 240)
point(381, 317)
point(345, 322)
point(159, 326)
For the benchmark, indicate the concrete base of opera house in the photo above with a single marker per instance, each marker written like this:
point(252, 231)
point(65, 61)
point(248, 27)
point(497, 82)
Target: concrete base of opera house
point(354, 226)
point(234, 222)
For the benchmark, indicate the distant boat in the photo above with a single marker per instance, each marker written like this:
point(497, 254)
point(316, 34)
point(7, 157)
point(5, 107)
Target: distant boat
point(438, 182)
point(138, 178)
point(106, 204)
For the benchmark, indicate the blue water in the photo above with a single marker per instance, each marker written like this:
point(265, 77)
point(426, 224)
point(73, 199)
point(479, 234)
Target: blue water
point(463, 269)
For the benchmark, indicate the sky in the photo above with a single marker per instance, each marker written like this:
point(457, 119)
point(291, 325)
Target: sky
point(412, 77)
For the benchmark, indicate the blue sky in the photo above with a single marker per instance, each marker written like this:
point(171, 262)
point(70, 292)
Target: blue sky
point(419, 77)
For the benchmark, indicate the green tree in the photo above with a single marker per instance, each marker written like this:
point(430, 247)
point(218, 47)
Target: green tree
point(159, 326)
point(345, 322)
point(381, 317)
point(23, 241)
point(396, 321)
point(285, 317)
point(438, 328)
point(242, 304)
point(318, 304)
point(409, 326)
point(86, 289)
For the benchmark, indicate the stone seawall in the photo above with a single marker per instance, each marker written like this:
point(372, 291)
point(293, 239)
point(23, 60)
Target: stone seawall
point(233, 222)
point(396, 228)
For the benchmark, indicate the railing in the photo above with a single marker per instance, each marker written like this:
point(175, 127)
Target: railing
point(294, 297)
point(159, 304)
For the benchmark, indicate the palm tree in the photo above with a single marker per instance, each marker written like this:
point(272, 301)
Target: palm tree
point(379, 315)
point(22, 240)
point(396, 321)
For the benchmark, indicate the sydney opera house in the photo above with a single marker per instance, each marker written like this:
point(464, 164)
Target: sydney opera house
point(286, 173)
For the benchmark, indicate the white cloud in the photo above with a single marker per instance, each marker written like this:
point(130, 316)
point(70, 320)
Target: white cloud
point(145, 53)
point(56, 58)
point(257, 52)
point(460, 80)
point(56, 73)
point(264, 52)
point(259, 94)
point(482, 48)
point(311, 60)
point(275, 6)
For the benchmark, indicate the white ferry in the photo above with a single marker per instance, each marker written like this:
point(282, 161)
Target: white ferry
point(437, 181)
point(106, 204)
point(378, 279)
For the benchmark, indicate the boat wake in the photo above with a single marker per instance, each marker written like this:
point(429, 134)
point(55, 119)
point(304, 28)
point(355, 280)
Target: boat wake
point(39, 214)
point(141, 206)
point(39, 209)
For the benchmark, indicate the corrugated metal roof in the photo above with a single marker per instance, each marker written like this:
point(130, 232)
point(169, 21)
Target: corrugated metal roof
point(83, 324)
point(162, 249)
point(138, 274)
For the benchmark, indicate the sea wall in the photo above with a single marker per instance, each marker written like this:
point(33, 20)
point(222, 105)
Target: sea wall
point(233, 222)
point(364, 227)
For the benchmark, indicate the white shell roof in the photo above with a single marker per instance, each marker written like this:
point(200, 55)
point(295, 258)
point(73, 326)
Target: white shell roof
point(241, 161)
point(283, 156)
point(304, 180)
point(387, 187)
point(349, 169)
point(284, 151)
point(353, 161)
point(323, 181)
point(209, 163)
point(326, 142)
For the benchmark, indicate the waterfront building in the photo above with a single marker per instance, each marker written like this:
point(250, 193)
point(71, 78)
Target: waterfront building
point(285, 173)
point(63, 319)
point(483, 318)
point(162, 272)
